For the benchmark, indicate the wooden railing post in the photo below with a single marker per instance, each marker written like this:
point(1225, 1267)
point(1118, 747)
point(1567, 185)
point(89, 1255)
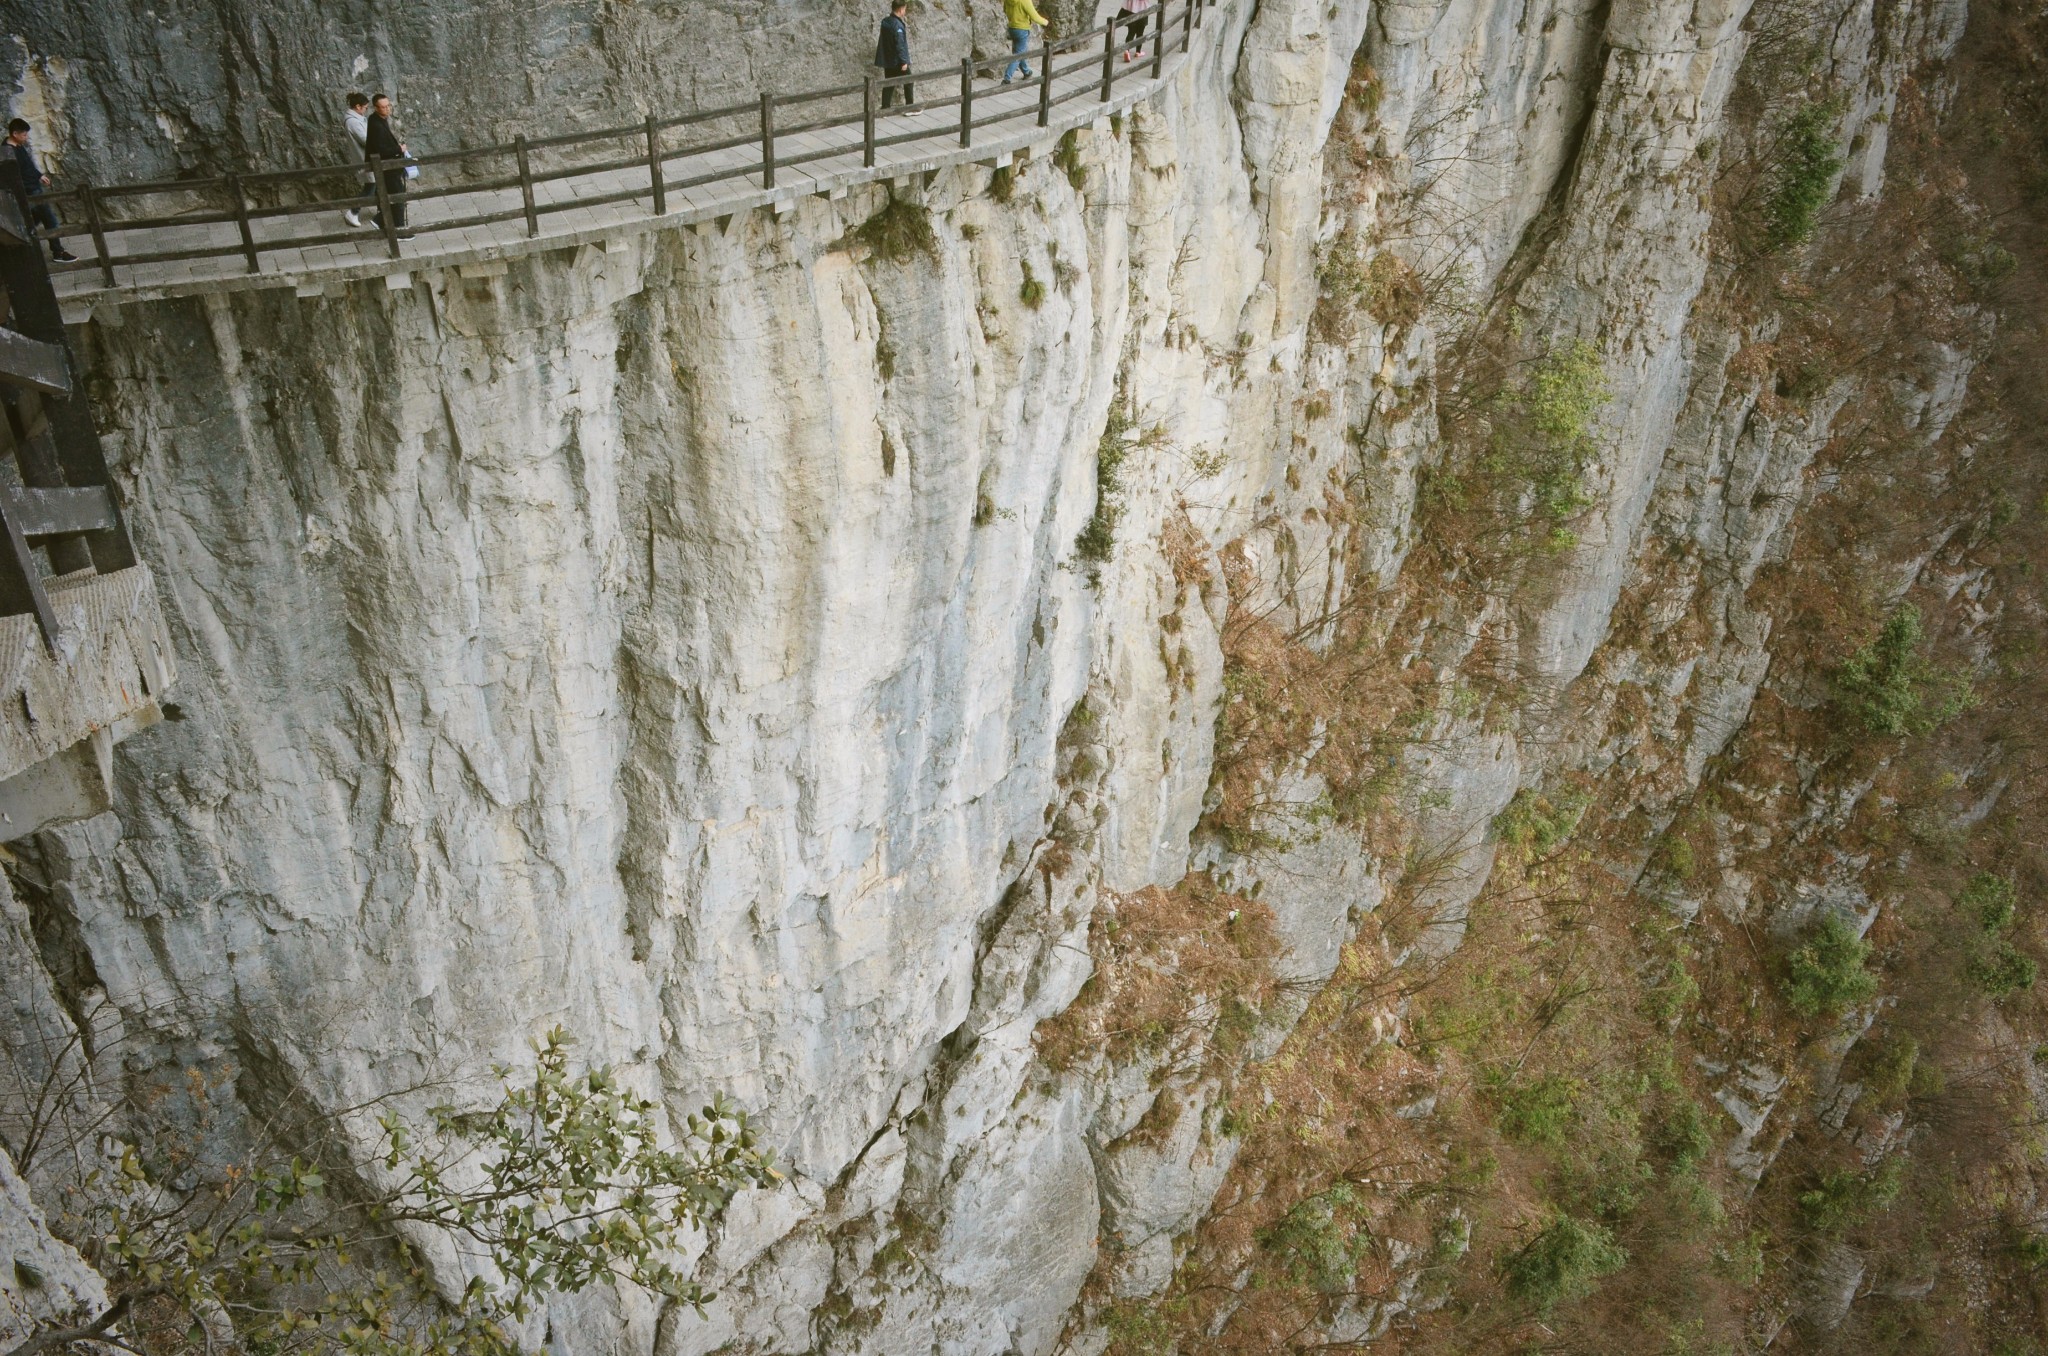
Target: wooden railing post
point(654, 176)
point(1159, 42)
point(1187, 25)
point(1045, 64)
point(99, 232)
point(767, 139)
point(867, 123)
point(1108, 59)
point(526, 185)
point(384, 222)
point(966, 102)
point(242, 222)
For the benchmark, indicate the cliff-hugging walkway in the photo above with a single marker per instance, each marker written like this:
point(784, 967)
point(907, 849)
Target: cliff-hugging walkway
point(285, 229)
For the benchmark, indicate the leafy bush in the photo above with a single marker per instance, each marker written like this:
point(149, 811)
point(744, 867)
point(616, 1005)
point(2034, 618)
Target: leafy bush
point(1684, 1137)
point(1539, 1112)
point(2002, 971)
point(1808, 159)
point(1889, 687)
point(1842, 1199)
point(1826, 974)
point(1541, 441)
point(1537, 824)
point(1319, 1242)
point(899, 232)
point(1563, 1262)
point(1990, 898)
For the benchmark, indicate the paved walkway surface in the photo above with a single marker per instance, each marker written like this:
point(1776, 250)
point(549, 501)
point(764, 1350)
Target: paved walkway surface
point(314, 267)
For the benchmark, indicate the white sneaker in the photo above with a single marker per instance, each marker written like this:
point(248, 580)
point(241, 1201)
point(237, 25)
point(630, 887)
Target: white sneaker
point(351, 218)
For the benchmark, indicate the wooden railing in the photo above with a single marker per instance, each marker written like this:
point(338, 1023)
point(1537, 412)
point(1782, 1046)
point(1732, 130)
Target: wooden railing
point(58, 508)
point(746, 141)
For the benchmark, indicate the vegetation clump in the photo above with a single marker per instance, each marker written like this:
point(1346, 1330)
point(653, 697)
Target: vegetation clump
point(1889, 687)
point(1032, 292)
point(1842, 1199)
point(1563, 1262)
point(566, 1183)
point(1536, 824)
point(899, 232)
point(1538, 441)
point(1825, 973)
point(1098, 535)
point(1808, 160)
point(1320, 1242)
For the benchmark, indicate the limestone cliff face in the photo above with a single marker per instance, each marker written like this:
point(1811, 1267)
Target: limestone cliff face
point(683, 641)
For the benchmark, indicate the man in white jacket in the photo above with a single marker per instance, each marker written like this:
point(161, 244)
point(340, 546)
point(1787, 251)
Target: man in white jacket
point(358, 122)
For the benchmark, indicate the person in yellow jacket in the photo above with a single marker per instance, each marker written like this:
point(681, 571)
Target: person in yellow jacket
point(1021, 15)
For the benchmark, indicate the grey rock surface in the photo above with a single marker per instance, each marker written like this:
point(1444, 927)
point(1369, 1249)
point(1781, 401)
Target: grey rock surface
point(682, 640)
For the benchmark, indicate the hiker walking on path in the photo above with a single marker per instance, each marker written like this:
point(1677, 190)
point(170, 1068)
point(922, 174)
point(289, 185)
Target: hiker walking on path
point(1022, 16)
point(892, 54)
point(1134, 39)
point(383, 143)
point(357, 120)
point(34, 181)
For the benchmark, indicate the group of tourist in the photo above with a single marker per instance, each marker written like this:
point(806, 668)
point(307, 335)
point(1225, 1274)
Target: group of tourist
point(892, 47)
point(368, 122)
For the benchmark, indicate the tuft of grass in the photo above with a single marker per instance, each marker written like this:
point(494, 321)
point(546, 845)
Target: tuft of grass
point(1067, 155)
point(1807, 161)
point(1032, 293)
point(1825, 974)
point(1095, 540)
point(1002, 185)
point(899, 232)
point(1565, 1261)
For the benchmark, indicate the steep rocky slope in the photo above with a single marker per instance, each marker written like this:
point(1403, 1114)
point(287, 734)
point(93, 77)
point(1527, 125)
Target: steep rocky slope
point(795, 657)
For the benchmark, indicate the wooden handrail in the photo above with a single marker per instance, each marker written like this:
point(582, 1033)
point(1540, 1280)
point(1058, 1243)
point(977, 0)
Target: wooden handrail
point(1064, 67)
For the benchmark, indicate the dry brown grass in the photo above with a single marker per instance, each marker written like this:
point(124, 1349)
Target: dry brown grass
point(1183, 970)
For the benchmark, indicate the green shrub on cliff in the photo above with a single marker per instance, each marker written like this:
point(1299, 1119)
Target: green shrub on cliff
point(1543, 438)
point(1807, 161)
point(1825, 973)
point(1889, 687)
point(1562, 1262)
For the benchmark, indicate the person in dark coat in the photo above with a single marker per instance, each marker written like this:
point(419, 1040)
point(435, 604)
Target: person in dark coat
point(892, 54)
point(35, 181)
point(384, 143)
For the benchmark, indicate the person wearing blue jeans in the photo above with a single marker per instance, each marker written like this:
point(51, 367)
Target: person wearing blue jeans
point(33, 182)
point(1021, 15)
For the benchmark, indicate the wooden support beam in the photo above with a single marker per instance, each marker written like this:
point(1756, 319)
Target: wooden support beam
point(34, 364)
point(14, 230)
point(26, 280)
point(21, 579)
point(61, 512)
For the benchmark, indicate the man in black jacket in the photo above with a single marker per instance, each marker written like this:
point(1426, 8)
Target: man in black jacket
point(892, 54)
point(35, 181)
point(384, 143)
